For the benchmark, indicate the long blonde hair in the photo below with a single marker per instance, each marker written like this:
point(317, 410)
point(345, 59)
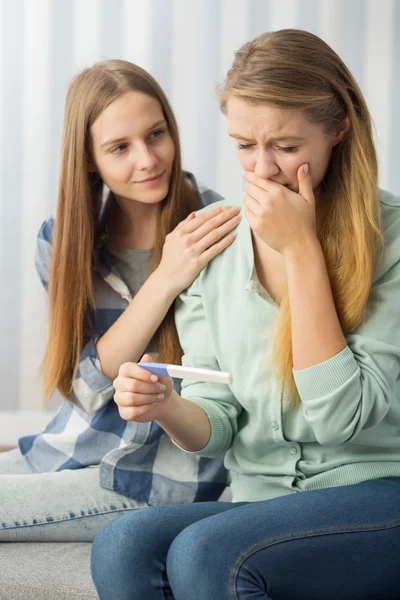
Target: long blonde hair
point(71, 294)
point(297, 70)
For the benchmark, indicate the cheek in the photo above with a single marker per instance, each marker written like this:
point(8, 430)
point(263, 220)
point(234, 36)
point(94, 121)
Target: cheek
point(318, 168)
point(114, 171)
point(247, 159)
point(289, 165)
point(167, 152)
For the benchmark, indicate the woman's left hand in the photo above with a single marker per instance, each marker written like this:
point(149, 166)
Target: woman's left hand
point(278, 216)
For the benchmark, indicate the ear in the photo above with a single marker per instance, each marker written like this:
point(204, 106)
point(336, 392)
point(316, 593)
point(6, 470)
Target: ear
point(341, 131)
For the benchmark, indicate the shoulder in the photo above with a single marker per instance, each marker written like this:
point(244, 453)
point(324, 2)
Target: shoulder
point(206, 195)
point(43, 249)
point(390, 222)
point(236, 258)
point(390, 216)
point(223, 202)
point(46, 230)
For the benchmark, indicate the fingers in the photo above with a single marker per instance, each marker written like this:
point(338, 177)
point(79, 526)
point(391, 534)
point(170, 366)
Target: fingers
point(132, 370)
point(127, 399)
point(139, 414)
point(188, 218)
point(217, 234)
point(218, 226)
point(252, 204)
point(135, 386)
point(265, 184)
point(217, 248)
point(305, 183)
point(214, 217)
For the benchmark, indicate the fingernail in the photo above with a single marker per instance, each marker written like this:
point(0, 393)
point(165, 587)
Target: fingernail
point(160, 396)
point(162, 387)
point(153, 378)
point(305, 167)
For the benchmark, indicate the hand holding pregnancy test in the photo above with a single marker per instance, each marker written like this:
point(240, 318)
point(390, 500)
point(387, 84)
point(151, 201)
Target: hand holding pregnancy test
point(165, 370)
point(144, 390)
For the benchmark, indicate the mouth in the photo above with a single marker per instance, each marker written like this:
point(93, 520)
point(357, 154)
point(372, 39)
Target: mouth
point(153, 178)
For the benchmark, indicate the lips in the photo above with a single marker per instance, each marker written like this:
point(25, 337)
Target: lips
point(151, 178)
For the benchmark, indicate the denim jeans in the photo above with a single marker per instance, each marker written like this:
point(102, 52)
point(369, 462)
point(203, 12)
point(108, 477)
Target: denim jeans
point(66, 506)
point(339, 543)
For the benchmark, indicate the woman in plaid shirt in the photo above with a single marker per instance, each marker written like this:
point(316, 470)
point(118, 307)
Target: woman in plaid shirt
point(112, 269)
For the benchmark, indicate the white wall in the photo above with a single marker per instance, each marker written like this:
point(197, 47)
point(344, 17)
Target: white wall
point(187, 45)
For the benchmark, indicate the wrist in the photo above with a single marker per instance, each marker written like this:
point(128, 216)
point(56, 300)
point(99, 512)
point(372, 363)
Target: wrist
point(165, 284)
point(306, 249)
point(169, 417)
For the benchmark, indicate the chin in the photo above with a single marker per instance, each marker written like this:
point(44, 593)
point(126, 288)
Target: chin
point(154, 196)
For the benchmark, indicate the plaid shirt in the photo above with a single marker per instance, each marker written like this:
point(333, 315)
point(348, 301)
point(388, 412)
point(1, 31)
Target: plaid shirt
point(136, 459)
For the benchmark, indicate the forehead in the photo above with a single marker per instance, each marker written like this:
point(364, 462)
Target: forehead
point(131, 114)
point(251, 119)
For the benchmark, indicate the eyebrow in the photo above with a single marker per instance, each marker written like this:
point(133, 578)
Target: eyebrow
point(283, 138)
point(122, 139)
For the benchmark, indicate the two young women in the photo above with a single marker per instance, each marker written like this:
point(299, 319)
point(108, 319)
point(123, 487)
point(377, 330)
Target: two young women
point(303, 311)
point(112, 270)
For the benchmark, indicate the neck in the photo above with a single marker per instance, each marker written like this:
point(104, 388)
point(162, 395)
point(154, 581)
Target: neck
point(133, 224)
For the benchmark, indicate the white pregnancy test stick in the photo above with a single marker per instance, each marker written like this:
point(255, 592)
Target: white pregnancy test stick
point(163, 370)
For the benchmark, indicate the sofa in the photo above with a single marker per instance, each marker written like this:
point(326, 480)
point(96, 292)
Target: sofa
point(46, 571)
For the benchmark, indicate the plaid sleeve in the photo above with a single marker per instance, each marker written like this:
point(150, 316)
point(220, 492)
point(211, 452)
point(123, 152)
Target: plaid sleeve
point(43, 251)
point(91, 389)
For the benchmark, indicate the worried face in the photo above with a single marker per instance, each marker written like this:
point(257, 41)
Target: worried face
point(132, 148)
point(273, 142)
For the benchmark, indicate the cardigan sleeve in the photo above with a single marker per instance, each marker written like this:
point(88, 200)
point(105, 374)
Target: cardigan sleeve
point(355, 389)
point(217, 400)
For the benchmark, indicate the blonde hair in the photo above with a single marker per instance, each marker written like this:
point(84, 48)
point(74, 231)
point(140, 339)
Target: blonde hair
point(297, 70)
point(71, 294)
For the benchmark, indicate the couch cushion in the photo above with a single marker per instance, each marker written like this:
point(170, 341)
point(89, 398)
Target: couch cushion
point(46, 571)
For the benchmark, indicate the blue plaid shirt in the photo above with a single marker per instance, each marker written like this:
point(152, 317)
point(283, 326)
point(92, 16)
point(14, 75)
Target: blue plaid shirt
point(136, 459)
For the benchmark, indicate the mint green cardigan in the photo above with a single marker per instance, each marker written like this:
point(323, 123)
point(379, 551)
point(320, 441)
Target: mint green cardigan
point(347, 428)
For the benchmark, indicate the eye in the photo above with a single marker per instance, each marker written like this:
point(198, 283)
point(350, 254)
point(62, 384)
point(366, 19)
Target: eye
point(288, 149)
point(157, 133)
point(119, 149)
point(244, 146)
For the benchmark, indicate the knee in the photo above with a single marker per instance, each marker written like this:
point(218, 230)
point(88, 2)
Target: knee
point(110, 551)
point(120, 551)
point(191, 557)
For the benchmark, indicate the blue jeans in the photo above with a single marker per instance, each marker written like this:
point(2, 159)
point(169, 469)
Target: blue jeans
point(62, 506)
point(334, 544)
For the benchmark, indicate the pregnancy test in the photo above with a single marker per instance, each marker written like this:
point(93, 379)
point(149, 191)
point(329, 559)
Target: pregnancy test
point(164, 370)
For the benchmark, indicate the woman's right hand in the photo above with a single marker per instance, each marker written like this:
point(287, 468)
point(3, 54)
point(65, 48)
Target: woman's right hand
point(140, 395)
point(194, 242)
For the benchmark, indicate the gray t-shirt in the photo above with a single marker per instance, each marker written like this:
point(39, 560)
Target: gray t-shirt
point(133, 266)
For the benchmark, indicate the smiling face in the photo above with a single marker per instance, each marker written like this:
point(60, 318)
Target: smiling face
point(132, 148)
point(274, 142)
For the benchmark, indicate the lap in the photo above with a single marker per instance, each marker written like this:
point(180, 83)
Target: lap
point(328, 541)
point(68, 505)
point(213, 550)
point(12, 462)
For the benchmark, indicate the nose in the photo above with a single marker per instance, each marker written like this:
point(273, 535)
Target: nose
point(145, 158)
point(266, 166)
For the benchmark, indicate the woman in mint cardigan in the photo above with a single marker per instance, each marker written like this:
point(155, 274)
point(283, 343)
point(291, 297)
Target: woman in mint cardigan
point(303, 311)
